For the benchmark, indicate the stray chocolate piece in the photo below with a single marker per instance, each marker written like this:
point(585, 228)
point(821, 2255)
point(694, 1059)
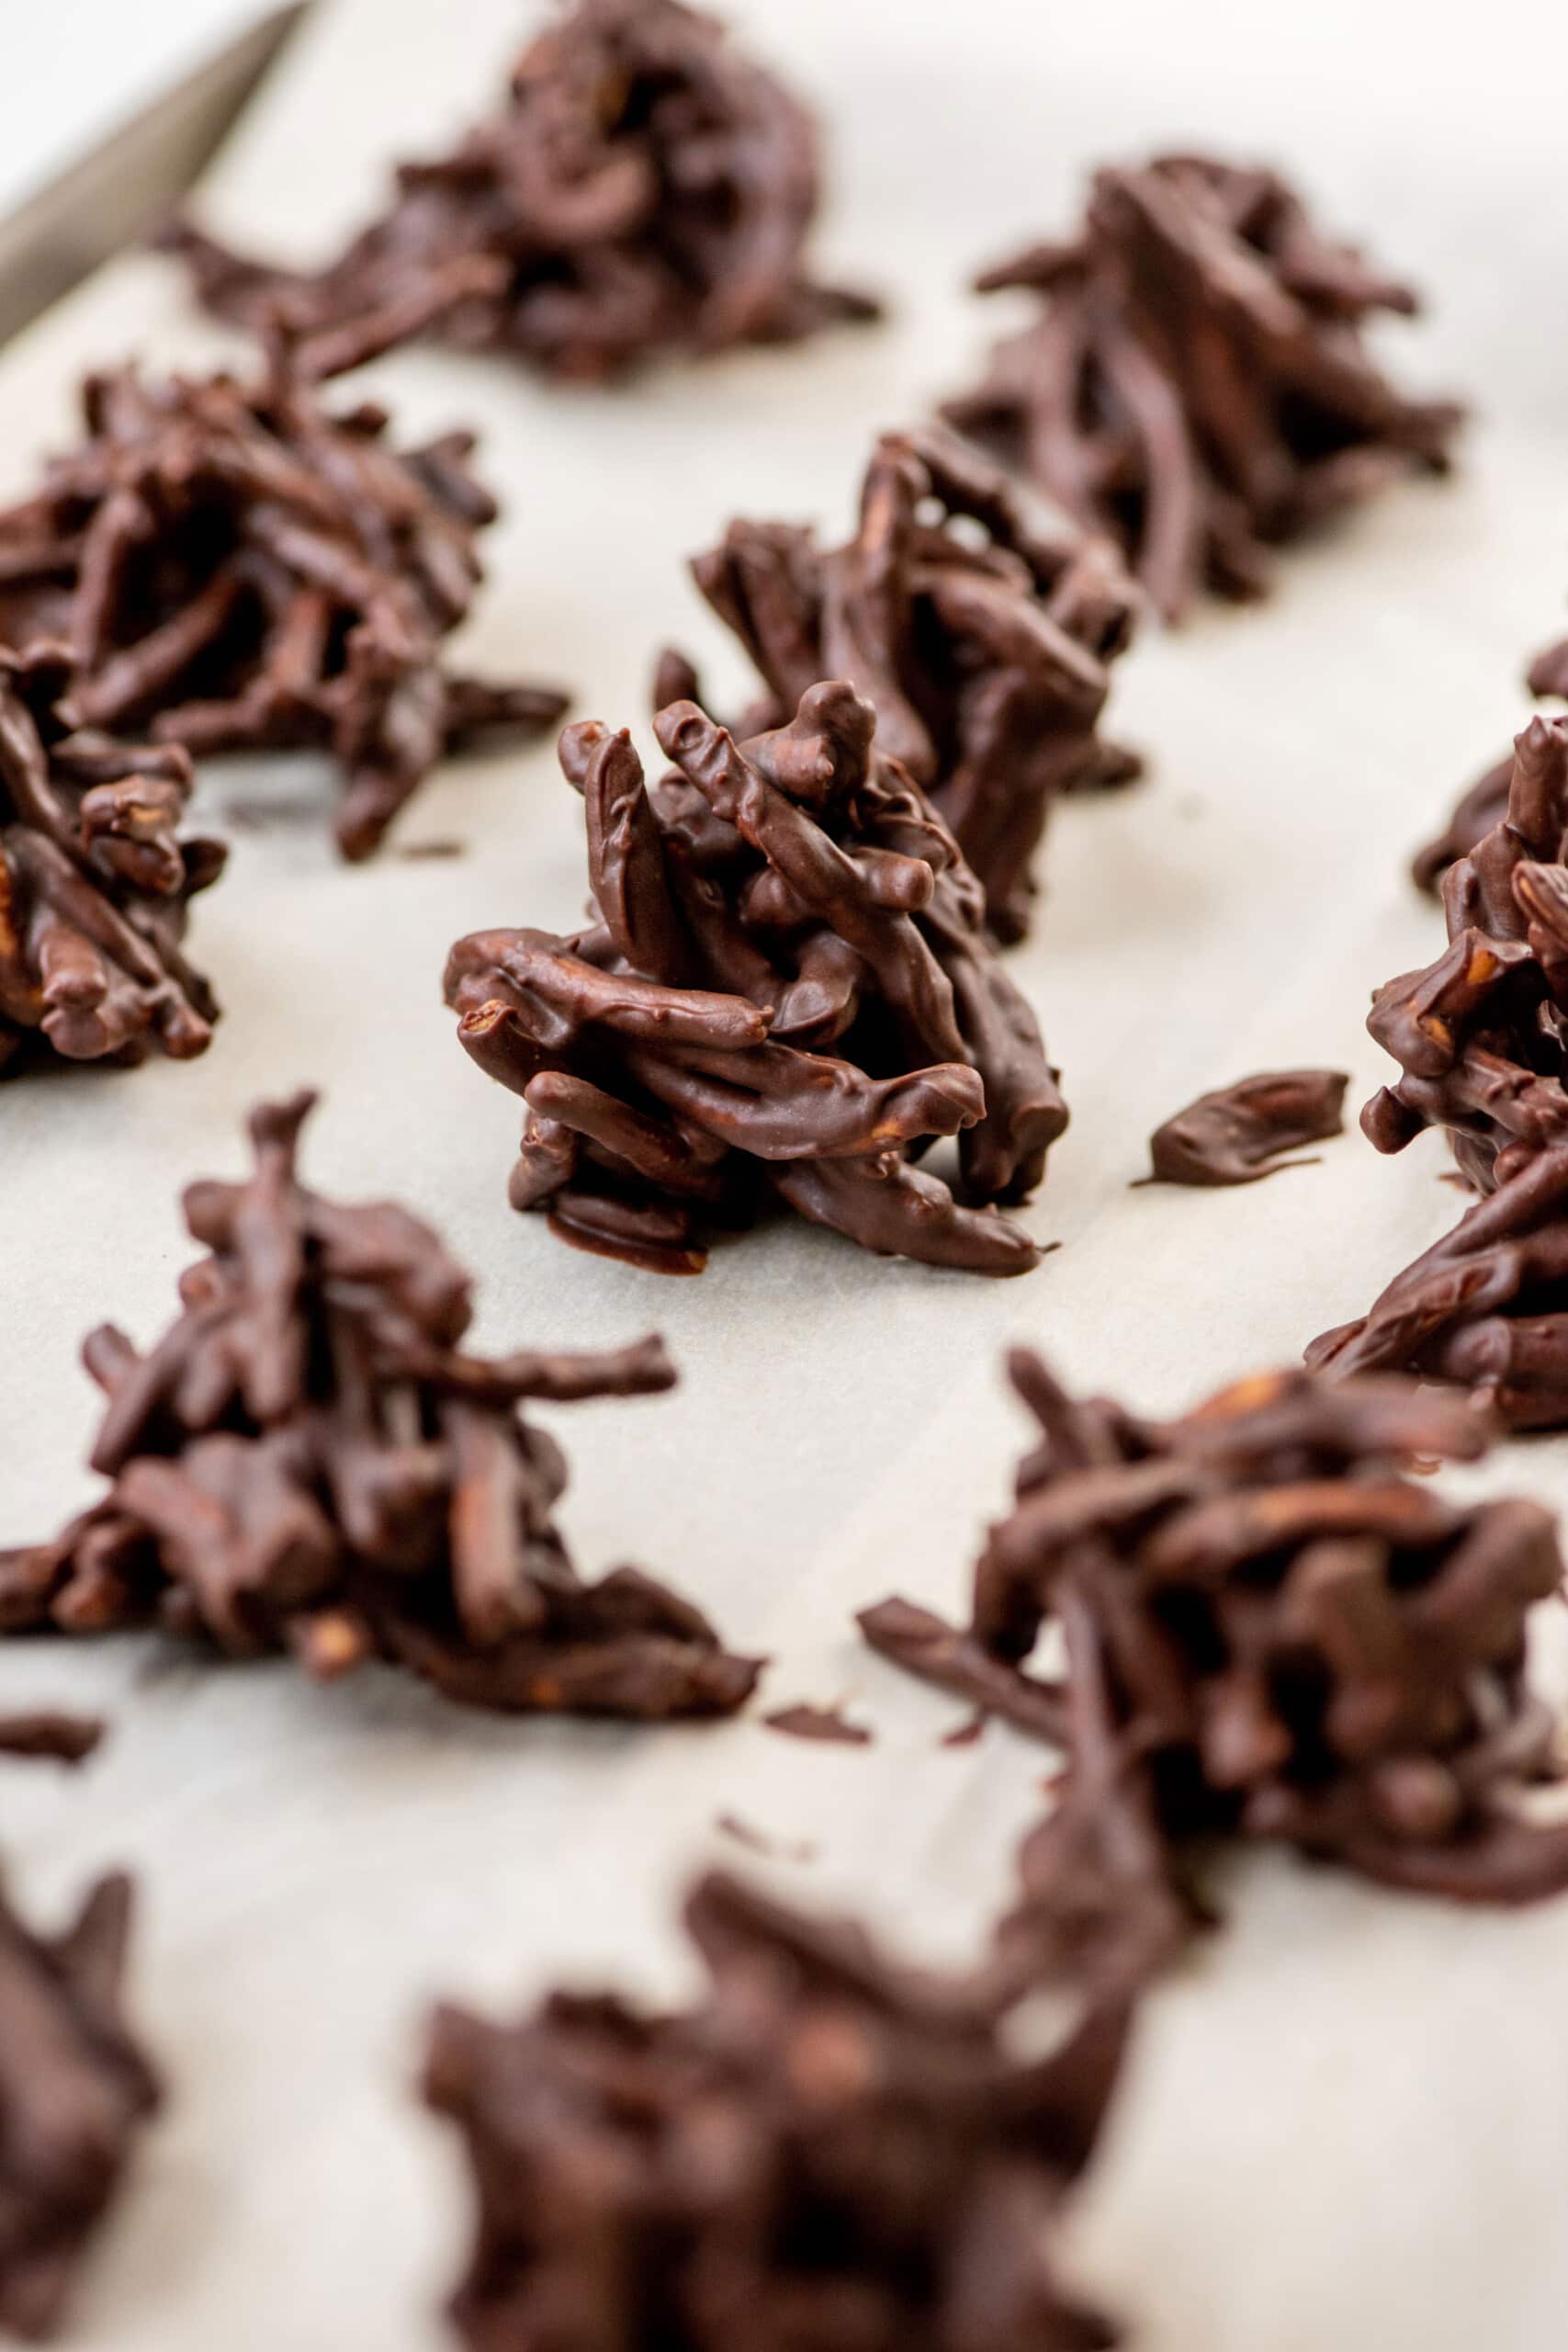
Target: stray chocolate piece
point(788, 987)
point(1198, 384)
point(1242, 1133)
point(1485, 803)
point(233, 568)
point(94, 881)
point(988, 662)
point(60, 1738)
point(75, 2089)
point(828, 2151)
point(307, 1461)
point(825, 1723)
point(1479, 1034)
point(925, 1644)
point(1270, 1631)
point(645, 188)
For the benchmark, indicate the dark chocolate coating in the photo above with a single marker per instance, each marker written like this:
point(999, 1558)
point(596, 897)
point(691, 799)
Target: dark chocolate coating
point(947, 1655)
point(828, 1727)
point(1484, 803)
point(827, 2152)
point(75, 2091)
point(644, 189)
point(307, 1461)
point(233, 567)
point(95, 882)
point(987, 664)
point(1480, 1033)
point(1271, 1631)
point(59, 1738)
point(788, 988)
point(1483, 1308)
point(1197, 383)
point(1241, 1132)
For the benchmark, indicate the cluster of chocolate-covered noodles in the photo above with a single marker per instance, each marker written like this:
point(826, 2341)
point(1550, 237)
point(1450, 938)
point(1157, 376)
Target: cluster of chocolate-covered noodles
point(233, 568)
point(788, 987)
point(1482, 1037)
point(94, 881)
point(75, 2091)
point(308, 1461)
point(1486, 802)
point(1198, 383)
point(1270, 1629)
point(826, 2151)
point(988, 662)
point(645, 187)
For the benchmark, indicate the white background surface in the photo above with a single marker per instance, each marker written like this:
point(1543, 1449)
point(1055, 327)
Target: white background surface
point(1348, 2122)
point(76, 68)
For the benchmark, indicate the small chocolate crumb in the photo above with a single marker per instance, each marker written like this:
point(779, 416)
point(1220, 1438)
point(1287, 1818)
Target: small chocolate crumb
point(419, 852)
point(830, 1723)
point(307, 1461)
point(828, 2153)
point(965, 1734)
point(61, 1738)
point(760, 1841)
point(1198, 384)
point(788, 990)
point(1241, 1132)
point(645, 187)
point(76, 2091)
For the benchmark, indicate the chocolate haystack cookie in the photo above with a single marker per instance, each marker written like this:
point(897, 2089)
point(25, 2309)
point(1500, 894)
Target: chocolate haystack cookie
point(788, 990)
point(307, 1461)
point(1242, 1133)
point(94, 881)
point(1483, 1308)
point(1485, 804)
point(1198, 383)
point(1270, 1631)
point(76, 2090)
point(1480, 1035)
point(646, 189)
point(233, 568)
point(988, 662)
point(828, 2151)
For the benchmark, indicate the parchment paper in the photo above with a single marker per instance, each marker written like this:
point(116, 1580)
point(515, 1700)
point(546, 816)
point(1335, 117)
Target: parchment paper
point(1346, 2124)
